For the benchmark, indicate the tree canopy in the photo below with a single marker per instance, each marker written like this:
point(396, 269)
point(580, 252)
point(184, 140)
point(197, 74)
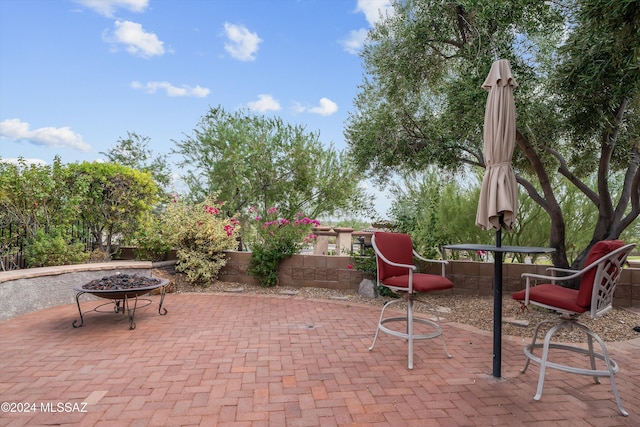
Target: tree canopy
point(134, 152)
point(112, 199)
point(577, 63)
point(251, 160)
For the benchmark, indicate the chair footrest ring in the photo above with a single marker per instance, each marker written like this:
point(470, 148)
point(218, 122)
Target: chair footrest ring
point(435, 333)
point(571, 369)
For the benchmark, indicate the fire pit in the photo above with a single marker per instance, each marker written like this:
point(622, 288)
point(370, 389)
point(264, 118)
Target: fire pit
point(120, 289)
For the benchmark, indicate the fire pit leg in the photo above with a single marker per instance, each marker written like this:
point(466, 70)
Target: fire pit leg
point(79, 311)
point(132, 323)
point(162, 311)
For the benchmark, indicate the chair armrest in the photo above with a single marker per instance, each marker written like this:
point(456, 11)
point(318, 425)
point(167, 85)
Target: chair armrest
point(554, 270)
point(442, 262)
point(420, 257)
point(554, 278)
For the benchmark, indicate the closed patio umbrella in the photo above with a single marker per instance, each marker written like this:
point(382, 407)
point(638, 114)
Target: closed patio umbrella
point(498, 203)
point(499, 192)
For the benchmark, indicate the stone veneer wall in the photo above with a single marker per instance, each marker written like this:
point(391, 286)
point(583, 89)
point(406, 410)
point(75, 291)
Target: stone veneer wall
point(27, 290)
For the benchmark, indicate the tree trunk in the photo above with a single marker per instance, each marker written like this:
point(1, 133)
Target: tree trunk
point(548, 202)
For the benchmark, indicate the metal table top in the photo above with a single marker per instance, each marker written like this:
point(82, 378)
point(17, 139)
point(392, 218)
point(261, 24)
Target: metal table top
point(494, 248)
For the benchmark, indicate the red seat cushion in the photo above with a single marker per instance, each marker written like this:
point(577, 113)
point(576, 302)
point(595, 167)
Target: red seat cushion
point(598, 250)
point(421, 282)
point(554, 296)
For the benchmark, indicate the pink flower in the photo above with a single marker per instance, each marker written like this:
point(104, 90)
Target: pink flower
point(349, 266)
point(271, 210)
point(211, 210)
point(258, 218)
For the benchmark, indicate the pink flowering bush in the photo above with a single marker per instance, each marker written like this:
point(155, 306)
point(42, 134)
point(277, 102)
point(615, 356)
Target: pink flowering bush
point(276, 239)
point(200, 235)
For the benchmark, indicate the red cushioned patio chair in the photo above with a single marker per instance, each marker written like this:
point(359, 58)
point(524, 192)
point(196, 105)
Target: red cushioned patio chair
point(595, 296)
point(396, 271)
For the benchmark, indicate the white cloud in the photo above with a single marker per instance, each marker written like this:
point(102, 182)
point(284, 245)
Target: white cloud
point(17, 130)
point(171, 90)
point(136, 40)
point(264, 103)
point(242, 44)
point(326, 108)
point(108, 7)
point(354, 42)
point(374, 10)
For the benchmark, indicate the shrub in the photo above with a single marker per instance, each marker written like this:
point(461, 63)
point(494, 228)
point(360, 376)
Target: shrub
point(366, 263)
point(200, 236)
point(46, 249)
point(151, 240)
point(276, 239)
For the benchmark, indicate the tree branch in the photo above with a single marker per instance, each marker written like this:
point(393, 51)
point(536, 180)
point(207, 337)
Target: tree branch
point(564, 170)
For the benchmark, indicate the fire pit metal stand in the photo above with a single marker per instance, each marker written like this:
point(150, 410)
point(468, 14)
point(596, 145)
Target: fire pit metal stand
point(120, 300)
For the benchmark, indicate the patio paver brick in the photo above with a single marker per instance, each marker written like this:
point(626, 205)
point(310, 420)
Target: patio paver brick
point(252, 360)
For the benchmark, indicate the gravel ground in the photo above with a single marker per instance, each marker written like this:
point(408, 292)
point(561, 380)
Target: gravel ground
point(617, 325)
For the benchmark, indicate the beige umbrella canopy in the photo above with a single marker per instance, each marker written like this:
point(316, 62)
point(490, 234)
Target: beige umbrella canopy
point(499, 192)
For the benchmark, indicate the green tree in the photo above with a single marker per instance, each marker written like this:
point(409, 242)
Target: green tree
point(436, 210)
point(577, 104)
point(134, 152)
point(113, 199)
point(35, 196)
point(251, 160)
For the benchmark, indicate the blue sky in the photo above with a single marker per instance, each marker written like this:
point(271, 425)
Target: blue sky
point(77, 75)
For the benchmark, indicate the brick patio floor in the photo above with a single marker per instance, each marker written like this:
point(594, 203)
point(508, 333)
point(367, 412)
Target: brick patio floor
point(249, 360)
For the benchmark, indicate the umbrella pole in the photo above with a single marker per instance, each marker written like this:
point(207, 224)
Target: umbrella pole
point(497, 303)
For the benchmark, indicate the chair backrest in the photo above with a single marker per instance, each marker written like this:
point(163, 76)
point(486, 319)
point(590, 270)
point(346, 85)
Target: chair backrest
point(598, 284)
point(395, 247)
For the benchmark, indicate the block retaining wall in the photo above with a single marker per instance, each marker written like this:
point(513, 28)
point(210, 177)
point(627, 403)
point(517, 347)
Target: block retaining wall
point(469, 277)
point(24, 291)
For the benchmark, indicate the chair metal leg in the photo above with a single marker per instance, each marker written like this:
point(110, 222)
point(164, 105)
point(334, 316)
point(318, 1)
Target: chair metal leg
point(533, 342)
point(545, 357)
point(611, 366)
point(375, 337)
point(437, 325)
point(410, 331)
point(408, 334)
point(592, 357)
point(444, 344)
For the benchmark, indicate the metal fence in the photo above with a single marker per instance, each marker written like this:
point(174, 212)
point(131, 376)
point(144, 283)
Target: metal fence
point(13, 239)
